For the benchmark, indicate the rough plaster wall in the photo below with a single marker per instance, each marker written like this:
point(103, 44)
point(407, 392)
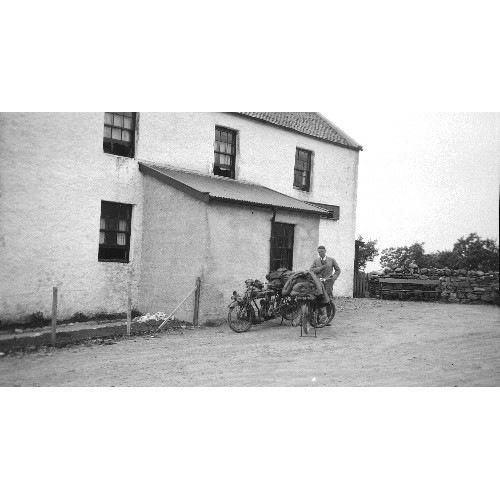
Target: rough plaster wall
point(53, 176)
point(224, 244)
point(266, 155)
point(239, 239)
point(174, 248)
point(183, 140)
point(338, 236)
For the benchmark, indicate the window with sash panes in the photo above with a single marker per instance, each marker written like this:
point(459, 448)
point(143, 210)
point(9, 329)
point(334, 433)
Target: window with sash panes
point(119, 133)
point(114, 235)
point(302, 171)
point(225, 152)
point(281, 246)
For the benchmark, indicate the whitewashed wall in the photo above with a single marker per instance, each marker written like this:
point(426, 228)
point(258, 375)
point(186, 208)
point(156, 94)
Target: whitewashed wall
point(266, 155)
point(53, 176)
point(222, 243)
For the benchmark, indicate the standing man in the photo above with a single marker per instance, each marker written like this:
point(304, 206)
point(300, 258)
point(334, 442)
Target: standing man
point(323, 267)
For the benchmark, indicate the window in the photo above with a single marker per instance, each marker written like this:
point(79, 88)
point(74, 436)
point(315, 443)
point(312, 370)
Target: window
point(302, 172)
point(119, 134)
point(225, 152)
point(281, 246)
point(114, 236)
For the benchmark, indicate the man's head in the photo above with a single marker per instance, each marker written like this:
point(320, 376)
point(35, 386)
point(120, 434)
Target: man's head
point(322, 251)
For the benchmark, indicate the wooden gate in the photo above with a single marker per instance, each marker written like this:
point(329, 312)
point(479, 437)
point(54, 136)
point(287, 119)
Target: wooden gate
point(360, 288)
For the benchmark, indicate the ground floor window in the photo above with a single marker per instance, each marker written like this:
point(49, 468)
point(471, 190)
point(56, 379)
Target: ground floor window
point(114, 235)
point(281, 246)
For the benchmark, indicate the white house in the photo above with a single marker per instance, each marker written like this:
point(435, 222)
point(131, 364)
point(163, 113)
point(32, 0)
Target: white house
point(90, 202)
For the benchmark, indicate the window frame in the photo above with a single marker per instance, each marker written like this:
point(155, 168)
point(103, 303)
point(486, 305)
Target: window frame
point(112, 141)
point(119, 207)
point(276, 248)
point(220, 167)
point(307, 187)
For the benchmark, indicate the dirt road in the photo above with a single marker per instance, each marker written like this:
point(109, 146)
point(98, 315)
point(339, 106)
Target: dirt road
point(370, 343)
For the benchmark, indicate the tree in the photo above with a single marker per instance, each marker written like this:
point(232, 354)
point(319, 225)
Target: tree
point(402, 256)
point(475, 253)
point(442, 259)
point(471, 253)
point(366, 252)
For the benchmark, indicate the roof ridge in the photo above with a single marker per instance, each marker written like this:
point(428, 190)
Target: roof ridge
point(339, 130)
point(310, 123)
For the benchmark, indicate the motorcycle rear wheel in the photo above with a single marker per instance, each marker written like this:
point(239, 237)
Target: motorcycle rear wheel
point(289, 309)
point(292, 314)
point(240, 318)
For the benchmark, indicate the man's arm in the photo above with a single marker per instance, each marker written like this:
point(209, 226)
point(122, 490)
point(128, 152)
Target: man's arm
point(337, 270)
point(316, 269)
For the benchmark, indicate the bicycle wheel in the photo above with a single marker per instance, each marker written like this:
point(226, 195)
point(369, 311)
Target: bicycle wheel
point(240, 317)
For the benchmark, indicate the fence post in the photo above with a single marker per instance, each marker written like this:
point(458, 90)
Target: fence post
point(129, 308)
point(197, 301)
point(54, 315)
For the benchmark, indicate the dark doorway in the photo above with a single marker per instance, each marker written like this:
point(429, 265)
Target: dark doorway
point(281, 246)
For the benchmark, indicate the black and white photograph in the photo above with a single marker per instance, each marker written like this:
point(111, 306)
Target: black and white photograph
point(232, 249)
point(299, 296)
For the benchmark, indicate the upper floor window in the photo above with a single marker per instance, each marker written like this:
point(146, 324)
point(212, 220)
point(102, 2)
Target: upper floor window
point(225, 152)
point(302, 171)
point(114, 236)
point(119, 133)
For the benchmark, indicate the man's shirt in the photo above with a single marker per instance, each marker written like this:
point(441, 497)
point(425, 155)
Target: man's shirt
point(325, 270)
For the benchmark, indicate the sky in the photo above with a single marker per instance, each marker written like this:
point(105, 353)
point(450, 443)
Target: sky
point(424, 176)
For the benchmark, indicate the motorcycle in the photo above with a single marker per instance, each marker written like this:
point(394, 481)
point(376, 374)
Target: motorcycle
point(316, 307)
point(257, 305)
point(302, 294)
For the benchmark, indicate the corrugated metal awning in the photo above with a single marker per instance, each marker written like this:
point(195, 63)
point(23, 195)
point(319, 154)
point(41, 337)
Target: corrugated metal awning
point(333, 210)
point(211, 187)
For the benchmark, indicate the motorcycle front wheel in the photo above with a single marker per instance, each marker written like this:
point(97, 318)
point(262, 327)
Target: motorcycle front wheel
point(304, 317)
point(240, 317)
point(330, 312)
point(323, 316)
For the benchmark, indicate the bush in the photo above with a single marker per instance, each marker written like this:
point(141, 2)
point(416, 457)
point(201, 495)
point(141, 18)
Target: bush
point(79, 317)
point(37, 320)
point(135, 313)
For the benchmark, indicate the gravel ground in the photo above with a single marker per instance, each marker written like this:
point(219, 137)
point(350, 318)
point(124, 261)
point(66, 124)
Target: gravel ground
point(370, 343)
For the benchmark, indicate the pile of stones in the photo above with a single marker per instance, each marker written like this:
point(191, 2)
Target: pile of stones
point(455, 285)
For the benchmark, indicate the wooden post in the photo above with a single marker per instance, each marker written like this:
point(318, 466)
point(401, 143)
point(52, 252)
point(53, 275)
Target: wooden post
point(129, 308)
point(197, 301)
point(54, 314)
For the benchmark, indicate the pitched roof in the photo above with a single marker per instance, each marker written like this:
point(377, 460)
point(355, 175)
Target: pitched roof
point(209, 187)
point(312, 124)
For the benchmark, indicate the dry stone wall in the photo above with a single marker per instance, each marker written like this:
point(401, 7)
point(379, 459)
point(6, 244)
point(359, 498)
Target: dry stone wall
point(467, 287)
